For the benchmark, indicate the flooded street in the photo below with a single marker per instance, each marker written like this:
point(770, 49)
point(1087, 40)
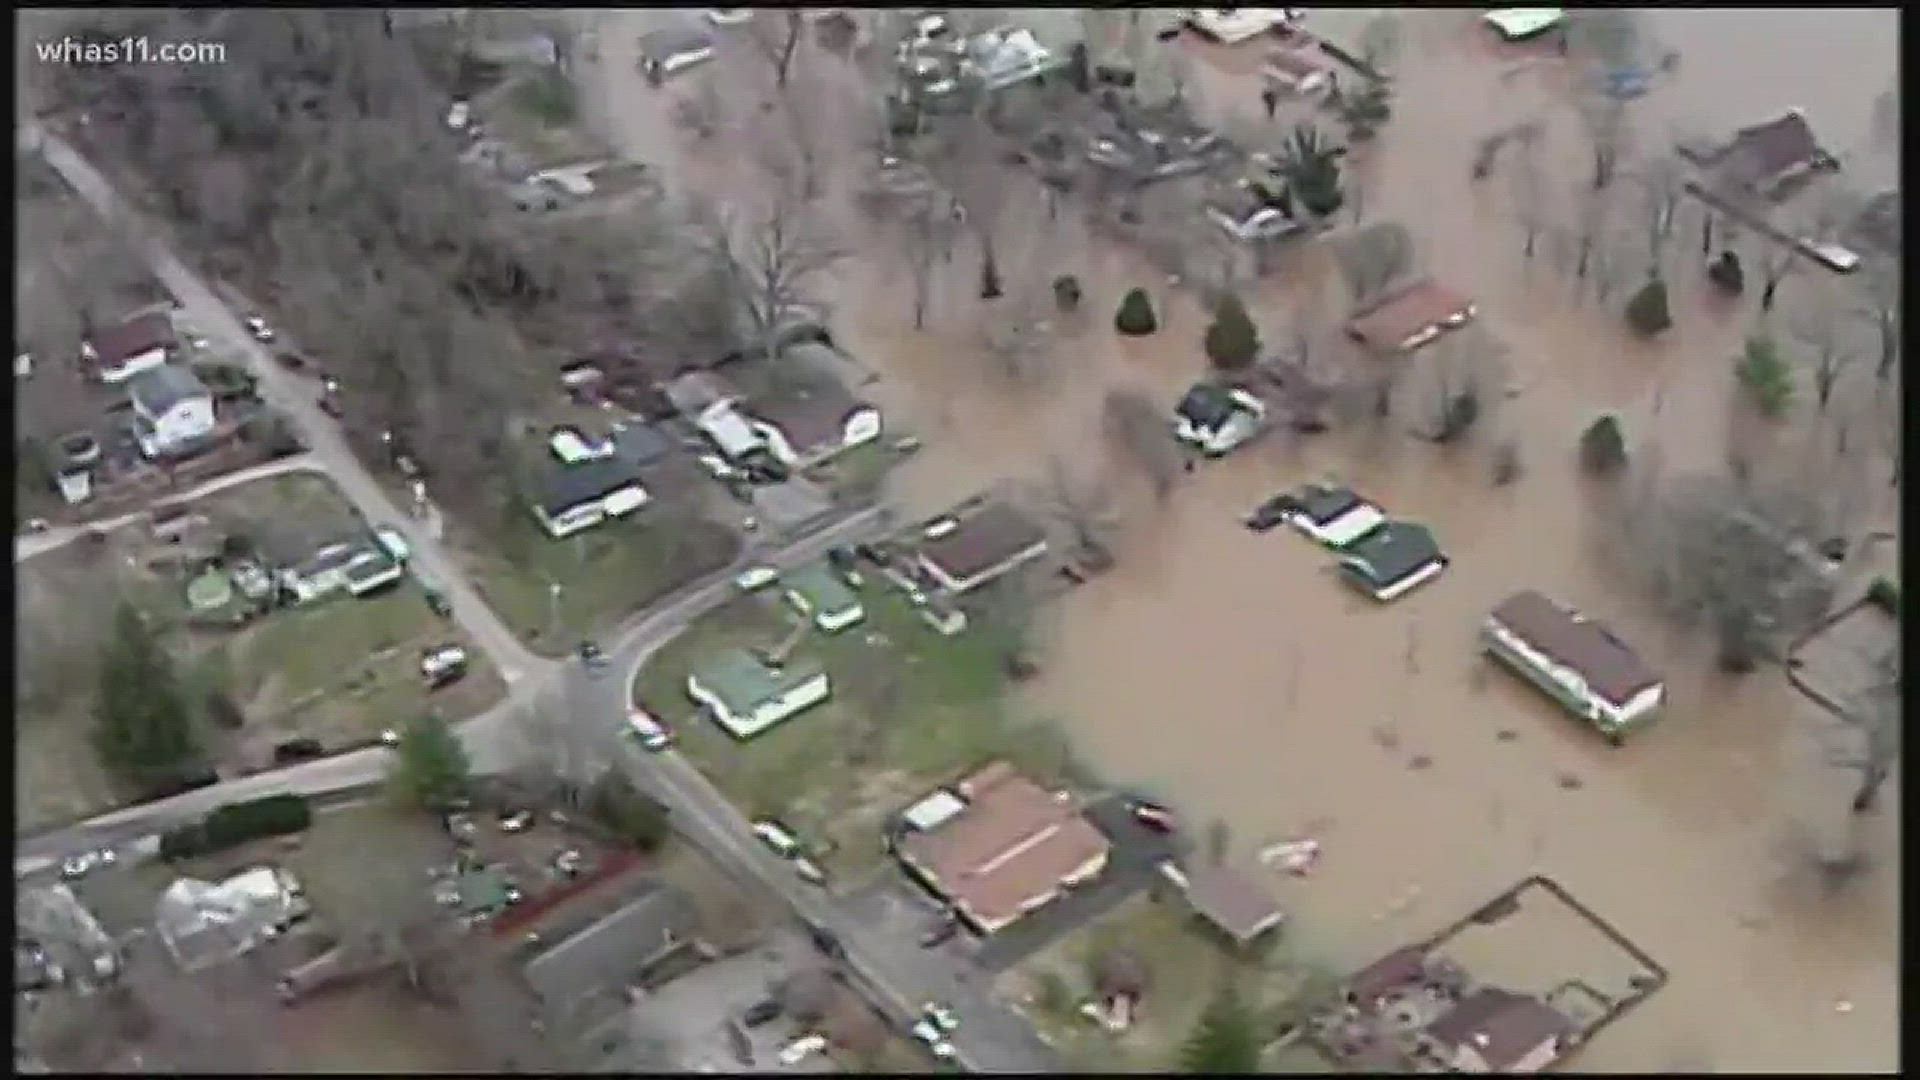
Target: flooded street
point(1232, 672)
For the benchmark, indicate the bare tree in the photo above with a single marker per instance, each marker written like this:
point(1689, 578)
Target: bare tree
point(1603, 120)
point(1457, 381)
point(1873, 721)
point(1373, 258)
point(1822, 327)
point(1878, 305)
point(1662, 184)
point(1592, 222)
point(1725, 555)
point(1138, 430)
point(771, 263)
point(965, 155)
point(776, 39)
point(1526, 187)
point(389, 918)
point(1085, 509)
point(1019, 339)
point(566, 750)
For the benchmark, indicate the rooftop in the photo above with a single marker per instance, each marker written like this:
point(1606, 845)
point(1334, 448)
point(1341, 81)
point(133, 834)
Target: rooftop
point(1014, 840)
point(158, 389)
point(743, 680)
point(614, 950)
point(1232, 902)
point(567, 486)
point(1759, 154)
point(1392, 551)
point(133, 337)
point(1323, 503)
point(1502, 1027)
point(985, 541)
point(1610, 667)
point(821, 588)
point(812, 417)
point(1207, 405)
point(1396, 320)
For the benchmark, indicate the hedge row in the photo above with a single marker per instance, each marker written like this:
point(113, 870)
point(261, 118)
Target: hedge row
point(235, 824)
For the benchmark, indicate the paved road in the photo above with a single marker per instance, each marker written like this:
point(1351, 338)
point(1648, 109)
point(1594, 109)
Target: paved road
point(491, 737)
point(212, 317)
point(898, 973)
point(26, 547)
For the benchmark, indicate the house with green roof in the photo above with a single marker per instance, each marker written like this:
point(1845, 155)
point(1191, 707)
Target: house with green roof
point(746, 695)
point(1392, 560)
point(818, 593)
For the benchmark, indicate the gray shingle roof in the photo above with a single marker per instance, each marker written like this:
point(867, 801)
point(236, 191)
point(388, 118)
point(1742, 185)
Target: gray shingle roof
point(567, 486)
point(158, 389)
point(1395, 550)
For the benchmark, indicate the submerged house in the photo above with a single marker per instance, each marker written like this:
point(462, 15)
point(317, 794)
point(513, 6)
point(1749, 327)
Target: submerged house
point(1498, 1031)
point(963, 555)
point(1334, 516)
point(1216, 419)
point(1409, 317)
point(1761, 160)
point(1393, 560)
point(1575, 660)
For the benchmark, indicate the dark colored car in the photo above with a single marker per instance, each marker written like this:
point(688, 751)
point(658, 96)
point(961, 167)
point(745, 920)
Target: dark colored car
point(438, 604)
point(1152, 816)
point(591, 655)
point(1272, 512)
point(298, 750)
point(842, 559)
point(760, 1013)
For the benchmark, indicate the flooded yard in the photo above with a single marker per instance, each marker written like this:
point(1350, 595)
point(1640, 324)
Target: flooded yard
point(1232, 671)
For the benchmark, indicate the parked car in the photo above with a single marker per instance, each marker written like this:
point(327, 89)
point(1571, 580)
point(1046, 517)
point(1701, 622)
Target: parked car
point(592, 657)
point(443, 665)
point(941, 1015)
point(810, 872)
point(1152, 815)
point(291, 360)
point(652, 733)
point(298, 750)
point(936, 1043)
point(802, 1048)
point(515, 821)
point(778, 838)
point(760, 1012)
point(437, 601)
point(941, 933)
point(755, 578)
point(74, 867)
point(459, 114)
point(258, 328)
point(390, 737)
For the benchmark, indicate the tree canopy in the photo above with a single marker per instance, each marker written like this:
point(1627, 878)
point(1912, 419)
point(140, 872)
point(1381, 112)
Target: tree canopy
point(1225, 1041)
point(146, 731)
point(430, 768)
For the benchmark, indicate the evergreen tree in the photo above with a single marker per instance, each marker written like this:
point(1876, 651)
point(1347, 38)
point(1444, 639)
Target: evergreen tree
point(1135, 317)
point(430, 767)
point(1647, 312)
point(1603, 448)
point(1225, 1041)
point(1232, 341)
point(145, 729)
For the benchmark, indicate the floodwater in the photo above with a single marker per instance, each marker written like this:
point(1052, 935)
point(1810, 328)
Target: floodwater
point(1231, 672)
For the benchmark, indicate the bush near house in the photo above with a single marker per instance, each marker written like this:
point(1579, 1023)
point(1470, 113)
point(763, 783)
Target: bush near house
point(1603, 448)
point(1647, 312)
point(1232, 341)
point(1884, 594)
point(1135, 317)
point(237, 823)
point(1766, 376)
point(1066, 292)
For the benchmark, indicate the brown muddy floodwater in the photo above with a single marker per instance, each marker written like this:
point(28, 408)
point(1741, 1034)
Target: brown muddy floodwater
point(1233, 673)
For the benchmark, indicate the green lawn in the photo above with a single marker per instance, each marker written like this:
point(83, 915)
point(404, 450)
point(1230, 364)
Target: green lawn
point(910, 709)
point(605, 573)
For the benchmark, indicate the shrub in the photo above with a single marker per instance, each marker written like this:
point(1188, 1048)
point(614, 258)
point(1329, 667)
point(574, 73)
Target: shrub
point(1066, 292)
point(1884, 594)
point(1135, 317)
point(1647, 311)
point(1603, 448)
point(235, 824)
point(1507, 466)
point(548, 97)
point(1727, 275)
point(1766, 375)
point(1232, 341)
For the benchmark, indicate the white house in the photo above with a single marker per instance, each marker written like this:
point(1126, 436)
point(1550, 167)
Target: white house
point(577, 497)
point(746, 696)
point(120, 353)
point(172, 408)
point(203, 923)
point(1217, 418)
point(735, 433)
point(1575, 660)
point(1335, 516)
point(356, 567)
point(1231, 26)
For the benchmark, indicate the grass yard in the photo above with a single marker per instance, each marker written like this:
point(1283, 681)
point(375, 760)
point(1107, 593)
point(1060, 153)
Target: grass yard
point(605, 573)
point(860, 473)
point(909, 709)
point(339, 671)
point(1184, 968)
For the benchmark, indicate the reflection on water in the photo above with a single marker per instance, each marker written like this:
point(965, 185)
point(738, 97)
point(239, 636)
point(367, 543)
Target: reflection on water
point(1232, 672)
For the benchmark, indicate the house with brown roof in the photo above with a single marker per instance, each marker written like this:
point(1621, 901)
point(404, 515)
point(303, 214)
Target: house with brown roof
point(964, 554)
point(1759, 160)
point(806, 426)
point(1498, 1031)
point(138, 344)
point(1409, 317)
point(1230, 902)
point(1004, 846)
point(1372, 987)
point(1574, 659)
